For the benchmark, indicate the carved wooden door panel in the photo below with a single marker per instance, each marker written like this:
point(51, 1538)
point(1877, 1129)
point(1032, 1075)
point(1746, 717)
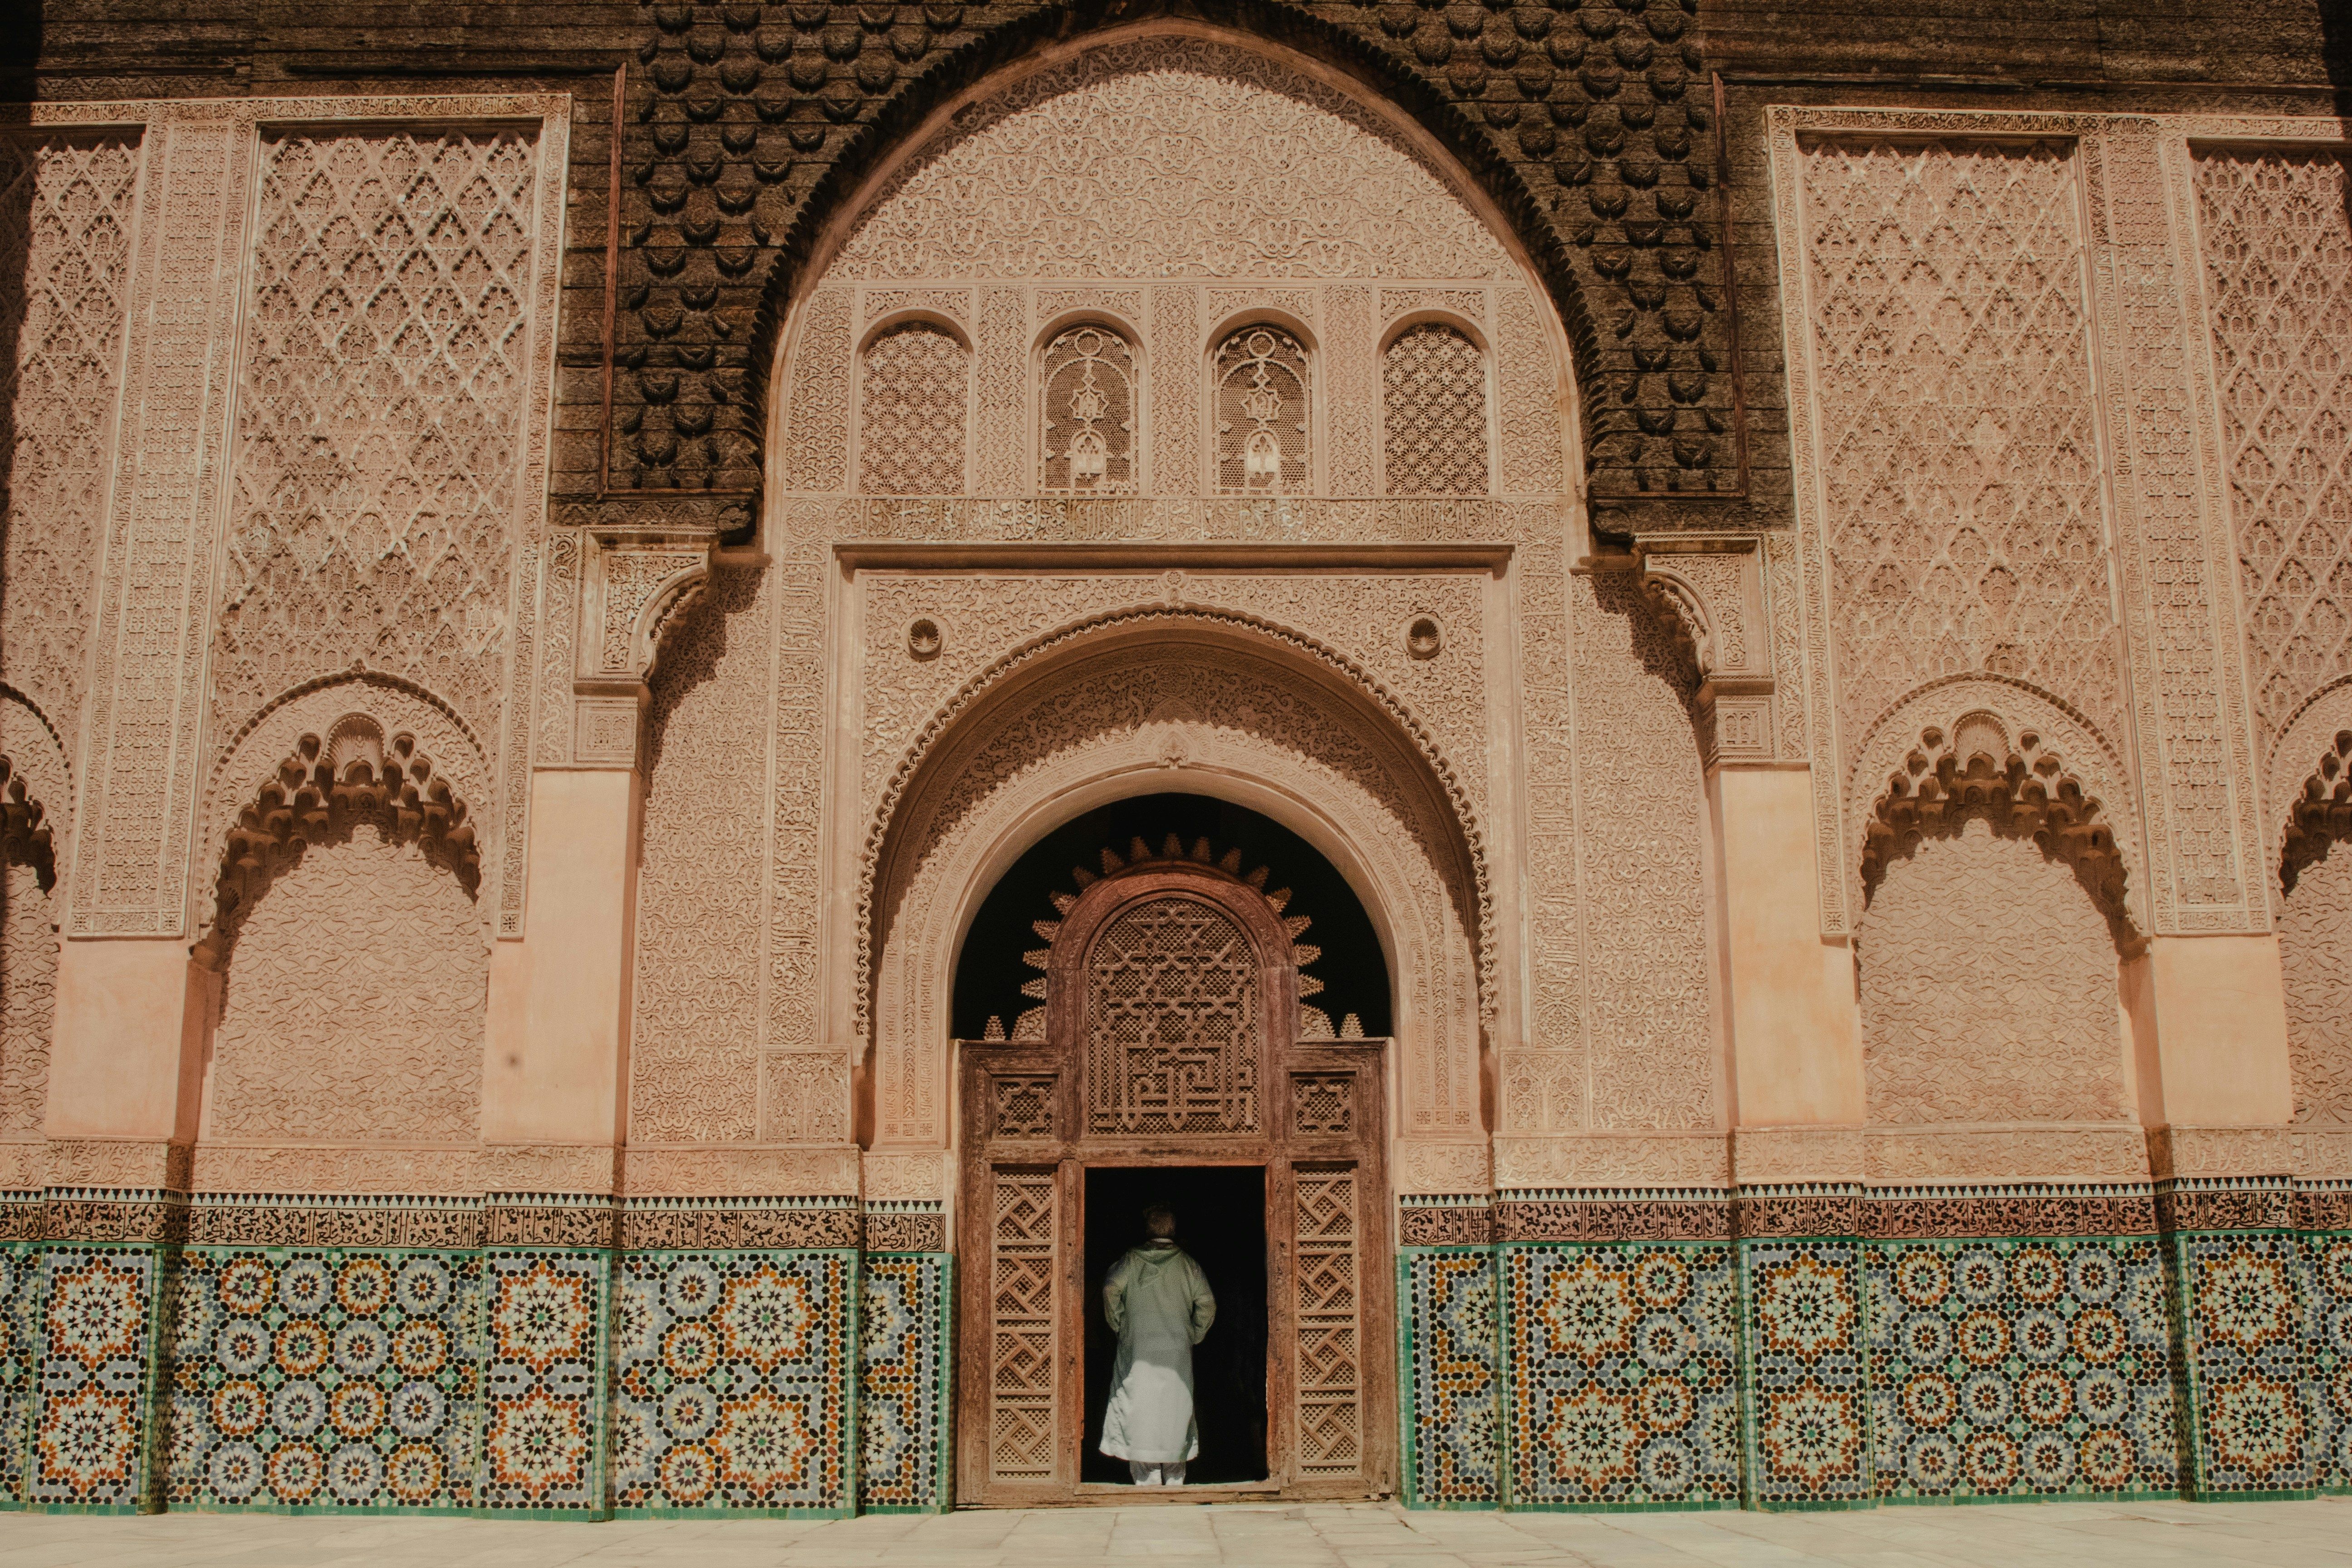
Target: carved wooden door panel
point(1171, 1022)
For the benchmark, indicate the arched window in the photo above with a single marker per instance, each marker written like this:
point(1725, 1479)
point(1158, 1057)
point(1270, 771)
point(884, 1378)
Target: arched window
point(1260, 380)
point(1434, 413)
point(914, 395)
point(1086, 444)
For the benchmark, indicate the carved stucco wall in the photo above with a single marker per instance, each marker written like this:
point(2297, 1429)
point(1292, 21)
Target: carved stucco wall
point(384, 388)
point(353, 1005)
point(1180, 702)
point(2315, 930)
point(1214, 182)
point(1988, 987)
point(2047, 286)
point(29, 971)
point(1626, 1038)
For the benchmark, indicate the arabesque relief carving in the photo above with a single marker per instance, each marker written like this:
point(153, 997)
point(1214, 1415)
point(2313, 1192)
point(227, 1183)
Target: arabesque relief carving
point(1180, 702)
point(354, 965)
point(28, 951)
point(2315, 933)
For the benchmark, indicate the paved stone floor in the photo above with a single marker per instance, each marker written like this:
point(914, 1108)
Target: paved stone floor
point(2049, 1535)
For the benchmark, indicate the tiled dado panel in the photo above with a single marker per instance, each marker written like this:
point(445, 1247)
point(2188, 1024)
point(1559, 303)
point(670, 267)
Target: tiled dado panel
point(2020, 1370)
point(731, 1379)
point(1805, 1374)
point(2251, 1376)
point(93, 1357)
point(1622, 1375)
point(543, 1399)
point(902, 1381)
point(20, 1267)
point(325, 1380)
point(2328, 1330)
point(1448, 1359)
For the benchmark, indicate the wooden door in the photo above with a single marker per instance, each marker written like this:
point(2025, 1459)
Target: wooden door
point(1170, 1032)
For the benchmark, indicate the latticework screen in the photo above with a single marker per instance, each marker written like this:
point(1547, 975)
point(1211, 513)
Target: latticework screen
point(1087, 444)
point(1261, 414)
point(1434, 413)
point(1026, 1258)
point(913, 412)
point(1330, 1356)
point(1173, 1022)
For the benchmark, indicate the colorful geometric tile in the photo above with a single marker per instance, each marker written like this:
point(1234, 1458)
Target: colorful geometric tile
point(1623, 1373)
point(324, 1380)
point(1453, 1420)
point(94, 1389)
point(20, 1267)
point(1808, 1434)
point(543, 1406)
point(2252, 1394)
point(2327, 1330)
point(732, 1383)
point(2020, 1370)
point(902, 1381)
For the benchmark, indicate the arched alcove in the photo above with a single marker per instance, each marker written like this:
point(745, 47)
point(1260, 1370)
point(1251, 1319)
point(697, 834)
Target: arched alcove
point(992, 967)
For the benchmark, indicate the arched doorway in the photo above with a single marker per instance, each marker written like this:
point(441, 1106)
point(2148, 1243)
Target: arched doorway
point(1169, 1049)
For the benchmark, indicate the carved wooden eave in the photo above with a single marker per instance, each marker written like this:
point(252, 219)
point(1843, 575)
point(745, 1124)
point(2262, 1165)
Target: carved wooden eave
point(1710, 586)
point(636, 582)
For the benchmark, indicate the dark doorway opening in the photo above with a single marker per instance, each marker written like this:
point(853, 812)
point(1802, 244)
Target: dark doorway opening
point(1221, 1221)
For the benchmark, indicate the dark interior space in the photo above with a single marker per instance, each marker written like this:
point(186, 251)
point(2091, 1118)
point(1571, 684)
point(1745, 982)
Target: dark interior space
point(1221, 1221)
point(990, 972)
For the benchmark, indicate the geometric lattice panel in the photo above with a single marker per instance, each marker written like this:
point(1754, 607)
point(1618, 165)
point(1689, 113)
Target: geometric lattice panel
point(732, 1382)
point(381, 436)
point(2250, 1372)
point(542, 1381)
point(66, 210)
point(94, 1387)
point(2277, 228)
point(1452, 1433)
point(1959, 443)
point(1624, 1375)
point(309, 1380)
point(902, 1382)
point(1327, 1318)
point(913, 415)
point(1808, 1442)
point(2021, 1369)
point(1434, 413)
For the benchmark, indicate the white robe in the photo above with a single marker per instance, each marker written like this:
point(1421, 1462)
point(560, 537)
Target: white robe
point(1158, 1302)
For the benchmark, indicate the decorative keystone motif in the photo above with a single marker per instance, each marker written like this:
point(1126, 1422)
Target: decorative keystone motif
point(1710, 588)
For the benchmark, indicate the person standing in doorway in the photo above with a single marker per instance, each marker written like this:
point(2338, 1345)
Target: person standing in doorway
point(1158, 1304)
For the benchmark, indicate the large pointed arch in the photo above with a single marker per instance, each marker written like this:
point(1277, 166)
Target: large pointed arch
point(1203, 701)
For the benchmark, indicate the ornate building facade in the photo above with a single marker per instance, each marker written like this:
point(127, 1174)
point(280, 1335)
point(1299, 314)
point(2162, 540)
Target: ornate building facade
point(665, 672)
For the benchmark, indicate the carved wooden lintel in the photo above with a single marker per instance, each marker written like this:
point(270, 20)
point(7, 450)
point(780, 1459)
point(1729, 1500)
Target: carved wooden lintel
point(636, 582)
point(1711, 586)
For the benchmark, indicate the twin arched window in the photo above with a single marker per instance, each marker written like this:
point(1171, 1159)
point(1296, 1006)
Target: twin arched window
point(916, 411)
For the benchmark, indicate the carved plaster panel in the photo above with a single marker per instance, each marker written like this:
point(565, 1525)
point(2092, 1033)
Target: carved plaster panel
point(1170, 151)
point(187, 274)
point(1234, 713)
point(2120, 383)
point(1366, 616)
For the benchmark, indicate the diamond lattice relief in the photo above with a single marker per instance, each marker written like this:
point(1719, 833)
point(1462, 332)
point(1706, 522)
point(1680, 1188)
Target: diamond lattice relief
point(1434, 411)
point(910, 435)
point(65, 220)
point(2278, 268)
point(380, 419)
point(1960, 451)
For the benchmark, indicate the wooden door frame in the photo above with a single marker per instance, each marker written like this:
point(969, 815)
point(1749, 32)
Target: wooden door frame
point(984, 1148)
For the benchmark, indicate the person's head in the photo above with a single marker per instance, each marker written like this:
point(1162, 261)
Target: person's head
point(1161, 1221)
